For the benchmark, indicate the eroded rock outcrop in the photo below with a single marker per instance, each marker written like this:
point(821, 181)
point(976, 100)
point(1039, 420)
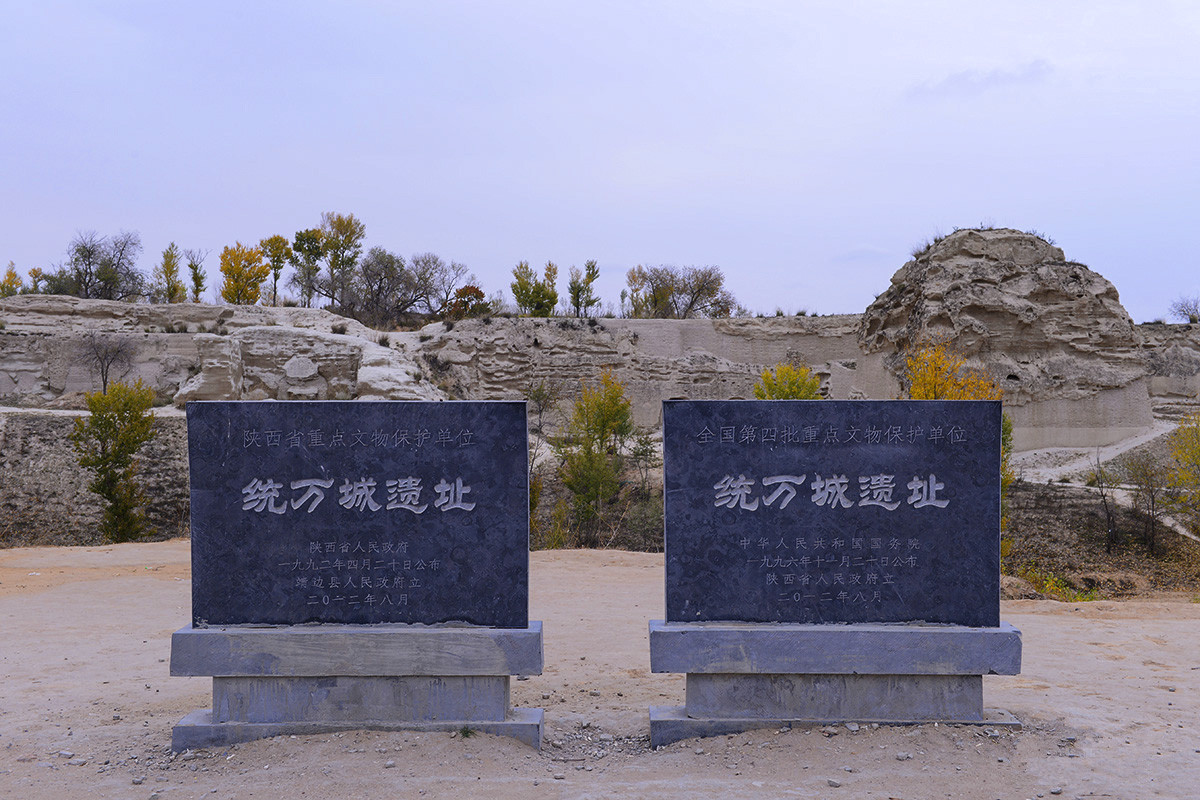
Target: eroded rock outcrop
point(276, 363)
point(44, 497)
point(191, 351)
point(655, 359)
point(1172, 356)
point(1051, 332)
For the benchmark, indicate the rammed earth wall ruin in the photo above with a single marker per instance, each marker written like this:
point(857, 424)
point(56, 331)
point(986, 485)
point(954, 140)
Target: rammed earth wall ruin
point(43, 491)
point(279, 354)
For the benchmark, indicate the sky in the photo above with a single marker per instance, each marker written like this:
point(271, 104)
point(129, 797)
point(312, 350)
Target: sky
point(804, 148)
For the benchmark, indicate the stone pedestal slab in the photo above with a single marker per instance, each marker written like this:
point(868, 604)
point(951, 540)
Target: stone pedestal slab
point(751, 675)
point(273, 680)
point(331, 649)
point(860, 648)
point(197, 729)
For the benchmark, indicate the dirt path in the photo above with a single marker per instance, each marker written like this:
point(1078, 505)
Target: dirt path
point(1052, 465)
point(1108, 695)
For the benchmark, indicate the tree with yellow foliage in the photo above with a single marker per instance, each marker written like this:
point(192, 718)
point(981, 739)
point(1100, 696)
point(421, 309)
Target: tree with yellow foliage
point(168, 287)
point(786, 382)
point(278, 252)
point(934, 370)
point(535, 297)
point(244, 271)
point(1185, 450)
point(11, 283)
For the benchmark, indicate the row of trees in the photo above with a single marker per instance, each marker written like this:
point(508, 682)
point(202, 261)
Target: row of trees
point(329, 269)
point(328, 266)
point(663, 292)
point(378, 287)
point(105, 268)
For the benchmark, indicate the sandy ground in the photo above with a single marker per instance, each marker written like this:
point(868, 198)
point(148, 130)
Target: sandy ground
point(1108, 696)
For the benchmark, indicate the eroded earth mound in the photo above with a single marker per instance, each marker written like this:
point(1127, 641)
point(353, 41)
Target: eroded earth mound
point(1041, 324)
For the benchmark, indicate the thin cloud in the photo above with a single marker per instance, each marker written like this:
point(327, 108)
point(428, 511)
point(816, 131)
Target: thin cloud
point(974, 82)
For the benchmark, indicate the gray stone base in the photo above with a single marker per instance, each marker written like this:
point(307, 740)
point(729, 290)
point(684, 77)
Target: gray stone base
point(669, 724)
point(273, 680)
point(197, 730)
point(759, 675)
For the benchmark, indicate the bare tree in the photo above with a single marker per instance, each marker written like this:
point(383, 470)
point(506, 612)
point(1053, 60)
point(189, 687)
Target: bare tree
point(701, 293)
point(119, 275)
point(444, 281)
point(670, 292)
point(543, 396)
point(109, 356)
point(1151, 484)
point(1104, 482)
point(105, 267)
point(85, 254)
point(1187, 308)
point(384, 289)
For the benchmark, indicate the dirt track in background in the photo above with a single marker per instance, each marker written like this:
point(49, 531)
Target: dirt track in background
point(1108, 695)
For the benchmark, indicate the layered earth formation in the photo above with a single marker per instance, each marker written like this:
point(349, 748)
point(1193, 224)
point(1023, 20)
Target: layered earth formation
point(1075, 370)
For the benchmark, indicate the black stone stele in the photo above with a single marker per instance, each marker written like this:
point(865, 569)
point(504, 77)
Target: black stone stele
point(832, 511)
point(359, 512)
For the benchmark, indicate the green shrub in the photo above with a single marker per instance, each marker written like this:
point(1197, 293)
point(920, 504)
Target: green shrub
point(107, 441)
point(600, 425)
point(642, 528)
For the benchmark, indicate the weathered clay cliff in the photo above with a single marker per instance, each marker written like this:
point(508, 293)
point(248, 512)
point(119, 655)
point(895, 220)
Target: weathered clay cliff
point(198, 352)
point(44, 497)
point(1051, 332)
point(655, 359)
point(1172, 357)
point(1074, 368)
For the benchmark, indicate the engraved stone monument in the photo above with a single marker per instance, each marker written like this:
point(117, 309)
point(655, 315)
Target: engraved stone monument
point(830, 561)
point(358, 565)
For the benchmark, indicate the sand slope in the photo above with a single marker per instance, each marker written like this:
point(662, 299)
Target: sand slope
point(1108, 696)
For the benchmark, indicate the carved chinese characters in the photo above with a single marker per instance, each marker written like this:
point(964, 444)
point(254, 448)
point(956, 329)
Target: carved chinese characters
point(832, 511)
point(359, 512)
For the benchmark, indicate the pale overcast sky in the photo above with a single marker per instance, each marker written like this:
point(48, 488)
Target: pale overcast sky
point(802, 147)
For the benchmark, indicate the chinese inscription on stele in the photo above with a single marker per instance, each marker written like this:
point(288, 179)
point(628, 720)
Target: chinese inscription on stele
point(359, 512)
point(832, 511)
